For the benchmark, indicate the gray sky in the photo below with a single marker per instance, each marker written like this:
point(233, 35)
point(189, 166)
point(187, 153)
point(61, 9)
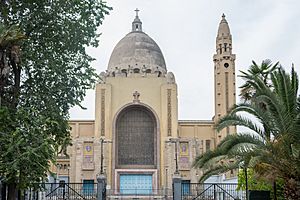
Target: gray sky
point(186, 32)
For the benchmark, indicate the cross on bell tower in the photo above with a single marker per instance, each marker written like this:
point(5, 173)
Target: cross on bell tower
point(136, 24)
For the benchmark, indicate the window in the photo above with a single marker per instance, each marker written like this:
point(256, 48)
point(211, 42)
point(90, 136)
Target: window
point(135, 138)
point(88, 187)
point(207, 145)
point(124, 71)
point(136, 184)
point(186, 190)
point(136, 70)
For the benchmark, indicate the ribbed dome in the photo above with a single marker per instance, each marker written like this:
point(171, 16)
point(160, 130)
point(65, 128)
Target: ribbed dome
point(137, 50)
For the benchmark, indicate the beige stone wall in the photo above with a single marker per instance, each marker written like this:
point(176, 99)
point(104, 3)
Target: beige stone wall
point(155, 93)
point(195, 133)
point(81, 132)
point(196, 136)
point(200, 136)
point(158, 93)
point(161, 97)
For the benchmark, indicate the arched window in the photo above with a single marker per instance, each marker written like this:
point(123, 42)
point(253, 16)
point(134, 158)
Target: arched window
point(136, 138)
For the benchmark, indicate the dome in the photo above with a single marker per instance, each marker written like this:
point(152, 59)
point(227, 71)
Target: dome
point(137, 51)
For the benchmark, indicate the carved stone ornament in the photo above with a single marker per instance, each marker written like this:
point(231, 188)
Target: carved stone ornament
point(170, 78)
point(103, 76)
point(136, 96)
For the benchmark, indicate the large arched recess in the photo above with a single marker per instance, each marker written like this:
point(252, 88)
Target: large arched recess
point(136, 138)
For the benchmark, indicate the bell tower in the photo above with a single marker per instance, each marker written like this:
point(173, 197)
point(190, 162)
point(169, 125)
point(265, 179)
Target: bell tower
point(224, 76)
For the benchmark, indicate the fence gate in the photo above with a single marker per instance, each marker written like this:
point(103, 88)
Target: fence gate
point(63, 191)
point(211, 191)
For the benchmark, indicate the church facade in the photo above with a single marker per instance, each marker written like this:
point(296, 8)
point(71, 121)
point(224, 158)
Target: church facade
point(136, 139)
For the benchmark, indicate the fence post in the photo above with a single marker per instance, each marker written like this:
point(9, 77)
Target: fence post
point(177, 187)
point(0, 189)
point(215, 192)
point(101, 187)
point(3, 191)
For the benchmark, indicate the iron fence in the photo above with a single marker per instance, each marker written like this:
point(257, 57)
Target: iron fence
point(139, 194)
point(61, 191)
point(78, 191)
point(211, 191)
point(189, 191)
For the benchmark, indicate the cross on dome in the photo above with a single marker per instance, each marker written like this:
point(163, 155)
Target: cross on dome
point(137, 12)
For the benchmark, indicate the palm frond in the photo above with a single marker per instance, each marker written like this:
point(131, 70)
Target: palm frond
point(220, 168)
point(236, 120)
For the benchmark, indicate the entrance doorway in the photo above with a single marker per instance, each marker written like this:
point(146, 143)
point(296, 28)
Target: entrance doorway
point(136, 184)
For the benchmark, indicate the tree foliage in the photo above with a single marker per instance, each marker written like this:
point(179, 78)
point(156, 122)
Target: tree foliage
point(45, 71)
point(263, 71)
point(257, 183)
point(271, 147)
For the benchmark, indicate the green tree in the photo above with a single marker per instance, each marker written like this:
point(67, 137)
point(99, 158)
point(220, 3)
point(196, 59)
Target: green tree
point(254, 182)
point(271, 147)
point(45, 71)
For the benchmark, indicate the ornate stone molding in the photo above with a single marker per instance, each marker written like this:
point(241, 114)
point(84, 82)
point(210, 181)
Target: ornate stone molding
point(170, 78)
point(136, 96)
point(102, 112)
point(129, 71)
point(169, 111)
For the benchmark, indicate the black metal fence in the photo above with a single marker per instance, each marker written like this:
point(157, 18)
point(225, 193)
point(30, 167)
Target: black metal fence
point(211, 191)
point(140, 193)
point(81, 191)
point(60, 191)
point(189, 191)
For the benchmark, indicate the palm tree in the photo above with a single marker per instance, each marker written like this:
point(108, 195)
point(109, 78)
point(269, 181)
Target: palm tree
point(271, 147)
point(263, 71)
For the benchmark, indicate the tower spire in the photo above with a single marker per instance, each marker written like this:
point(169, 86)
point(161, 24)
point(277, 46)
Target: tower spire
point(224, 61)
point(223, 29)
point(223, 40)
point(137, 23)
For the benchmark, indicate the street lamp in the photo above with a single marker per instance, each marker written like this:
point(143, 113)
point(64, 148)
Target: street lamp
point(175, 141)
point(102, 141)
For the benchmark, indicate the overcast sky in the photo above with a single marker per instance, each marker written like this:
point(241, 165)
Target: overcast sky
point(186, 32)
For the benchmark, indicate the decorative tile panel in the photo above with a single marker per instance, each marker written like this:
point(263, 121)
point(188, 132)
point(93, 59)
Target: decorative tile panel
point(169, 111)
point(102, 112)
